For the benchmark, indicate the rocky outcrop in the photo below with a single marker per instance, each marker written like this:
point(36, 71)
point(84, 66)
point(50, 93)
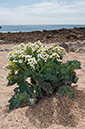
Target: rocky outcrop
point(79, 47)
point(71, 39)
point(80, 50)
point(0, 27)
point(65, 45)
point(50, 36)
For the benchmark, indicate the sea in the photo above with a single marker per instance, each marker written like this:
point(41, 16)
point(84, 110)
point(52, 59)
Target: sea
point(29, 28)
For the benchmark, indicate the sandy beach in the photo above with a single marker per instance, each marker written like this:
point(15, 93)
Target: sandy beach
point(50, 113)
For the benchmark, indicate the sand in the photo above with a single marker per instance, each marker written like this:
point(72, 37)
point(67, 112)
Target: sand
point(50, 113)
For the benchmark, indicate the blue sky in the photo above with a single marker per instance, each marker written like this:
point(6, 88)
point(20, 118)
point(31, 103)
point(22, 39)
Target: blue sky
point(25, 12)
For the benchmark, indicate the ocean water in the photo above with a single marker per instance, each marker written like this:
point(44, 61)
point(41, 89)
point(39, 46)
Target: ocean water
point(29, 28)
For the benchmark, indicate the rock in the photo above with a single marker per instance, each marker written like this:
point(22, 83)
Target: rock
point(77, 46)
point(74, 48)
point(83, 43)
point(65, 45)
point(70, 36)
point(49, 36)
point(80, 50)
point(55, 31)
point(5, 49)
point(44, 30)
point(78, 42)
point(0, 27)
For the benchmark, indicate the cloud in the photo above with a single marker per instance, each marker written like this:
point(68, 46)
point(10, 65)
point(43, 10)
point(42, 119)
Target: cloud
point(52, 12)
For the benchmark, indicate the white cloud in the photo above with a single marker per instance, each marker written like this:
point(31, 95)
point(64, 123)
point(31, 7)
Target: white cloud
point(53, 12)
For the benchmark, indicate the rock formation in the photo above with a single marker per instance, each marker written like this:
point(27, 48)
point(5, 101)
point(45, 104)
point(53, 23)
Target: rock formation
point(65, 45)
point(71, 39)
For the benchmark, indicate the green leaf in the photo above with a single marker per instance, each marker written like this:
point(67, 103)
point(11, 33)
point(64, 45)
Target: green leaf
point(12, 81)
point(66, 90)
point(37, 77)
point(24, 87)
point(11, 59)
point(16, 90)
point(46, 87)
point(49, 76)
point(17, 100)
point(72, 65)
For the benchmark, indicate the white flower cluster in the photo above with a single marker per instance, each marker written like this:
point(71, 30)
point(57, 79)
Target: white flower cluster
point(30, 60)
point(43, 55)
point(31, 54)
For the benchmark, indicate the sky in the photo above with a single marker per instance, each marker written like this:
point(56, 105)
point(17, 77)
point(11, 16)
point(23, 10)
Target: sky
point(40, 12)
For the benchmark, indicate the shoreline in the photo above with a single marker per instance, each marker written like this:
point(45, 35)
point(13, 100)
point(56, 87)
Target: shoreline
point(45, 36)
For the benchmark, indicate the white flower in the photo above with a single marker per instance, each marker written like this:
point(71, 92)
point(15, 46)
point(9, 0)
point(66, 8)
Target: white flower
point(15, 60)
point(20, 61)
point(42, 52)
point(54, 54)
point(32, 62)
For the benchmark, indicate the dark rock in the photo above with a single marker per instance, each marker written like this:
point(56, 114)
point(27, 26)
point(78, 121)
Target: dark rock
point(71, 36)
point(0, 27)
point(49, 36)
point(62, 29)
point(65, 45)
point(55, 32)
point(44, 30)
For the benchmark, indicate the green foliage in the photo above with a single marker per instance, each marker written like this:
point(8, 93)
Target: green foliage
point(47, 74)
point(65, 90)
point(17, 100)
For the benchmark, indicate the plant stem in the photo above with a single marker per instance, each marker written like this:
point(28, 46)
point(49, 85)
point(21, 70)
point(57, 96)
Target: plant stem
point(47, 65)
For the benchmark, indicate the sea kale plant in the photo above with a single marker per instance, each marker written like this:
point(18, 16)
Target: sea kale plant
point(42, 65)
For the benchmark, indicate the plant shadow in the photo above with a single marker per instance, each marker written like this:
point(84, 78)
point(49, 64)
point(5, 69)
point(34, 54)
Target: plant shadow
point(54, 110)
